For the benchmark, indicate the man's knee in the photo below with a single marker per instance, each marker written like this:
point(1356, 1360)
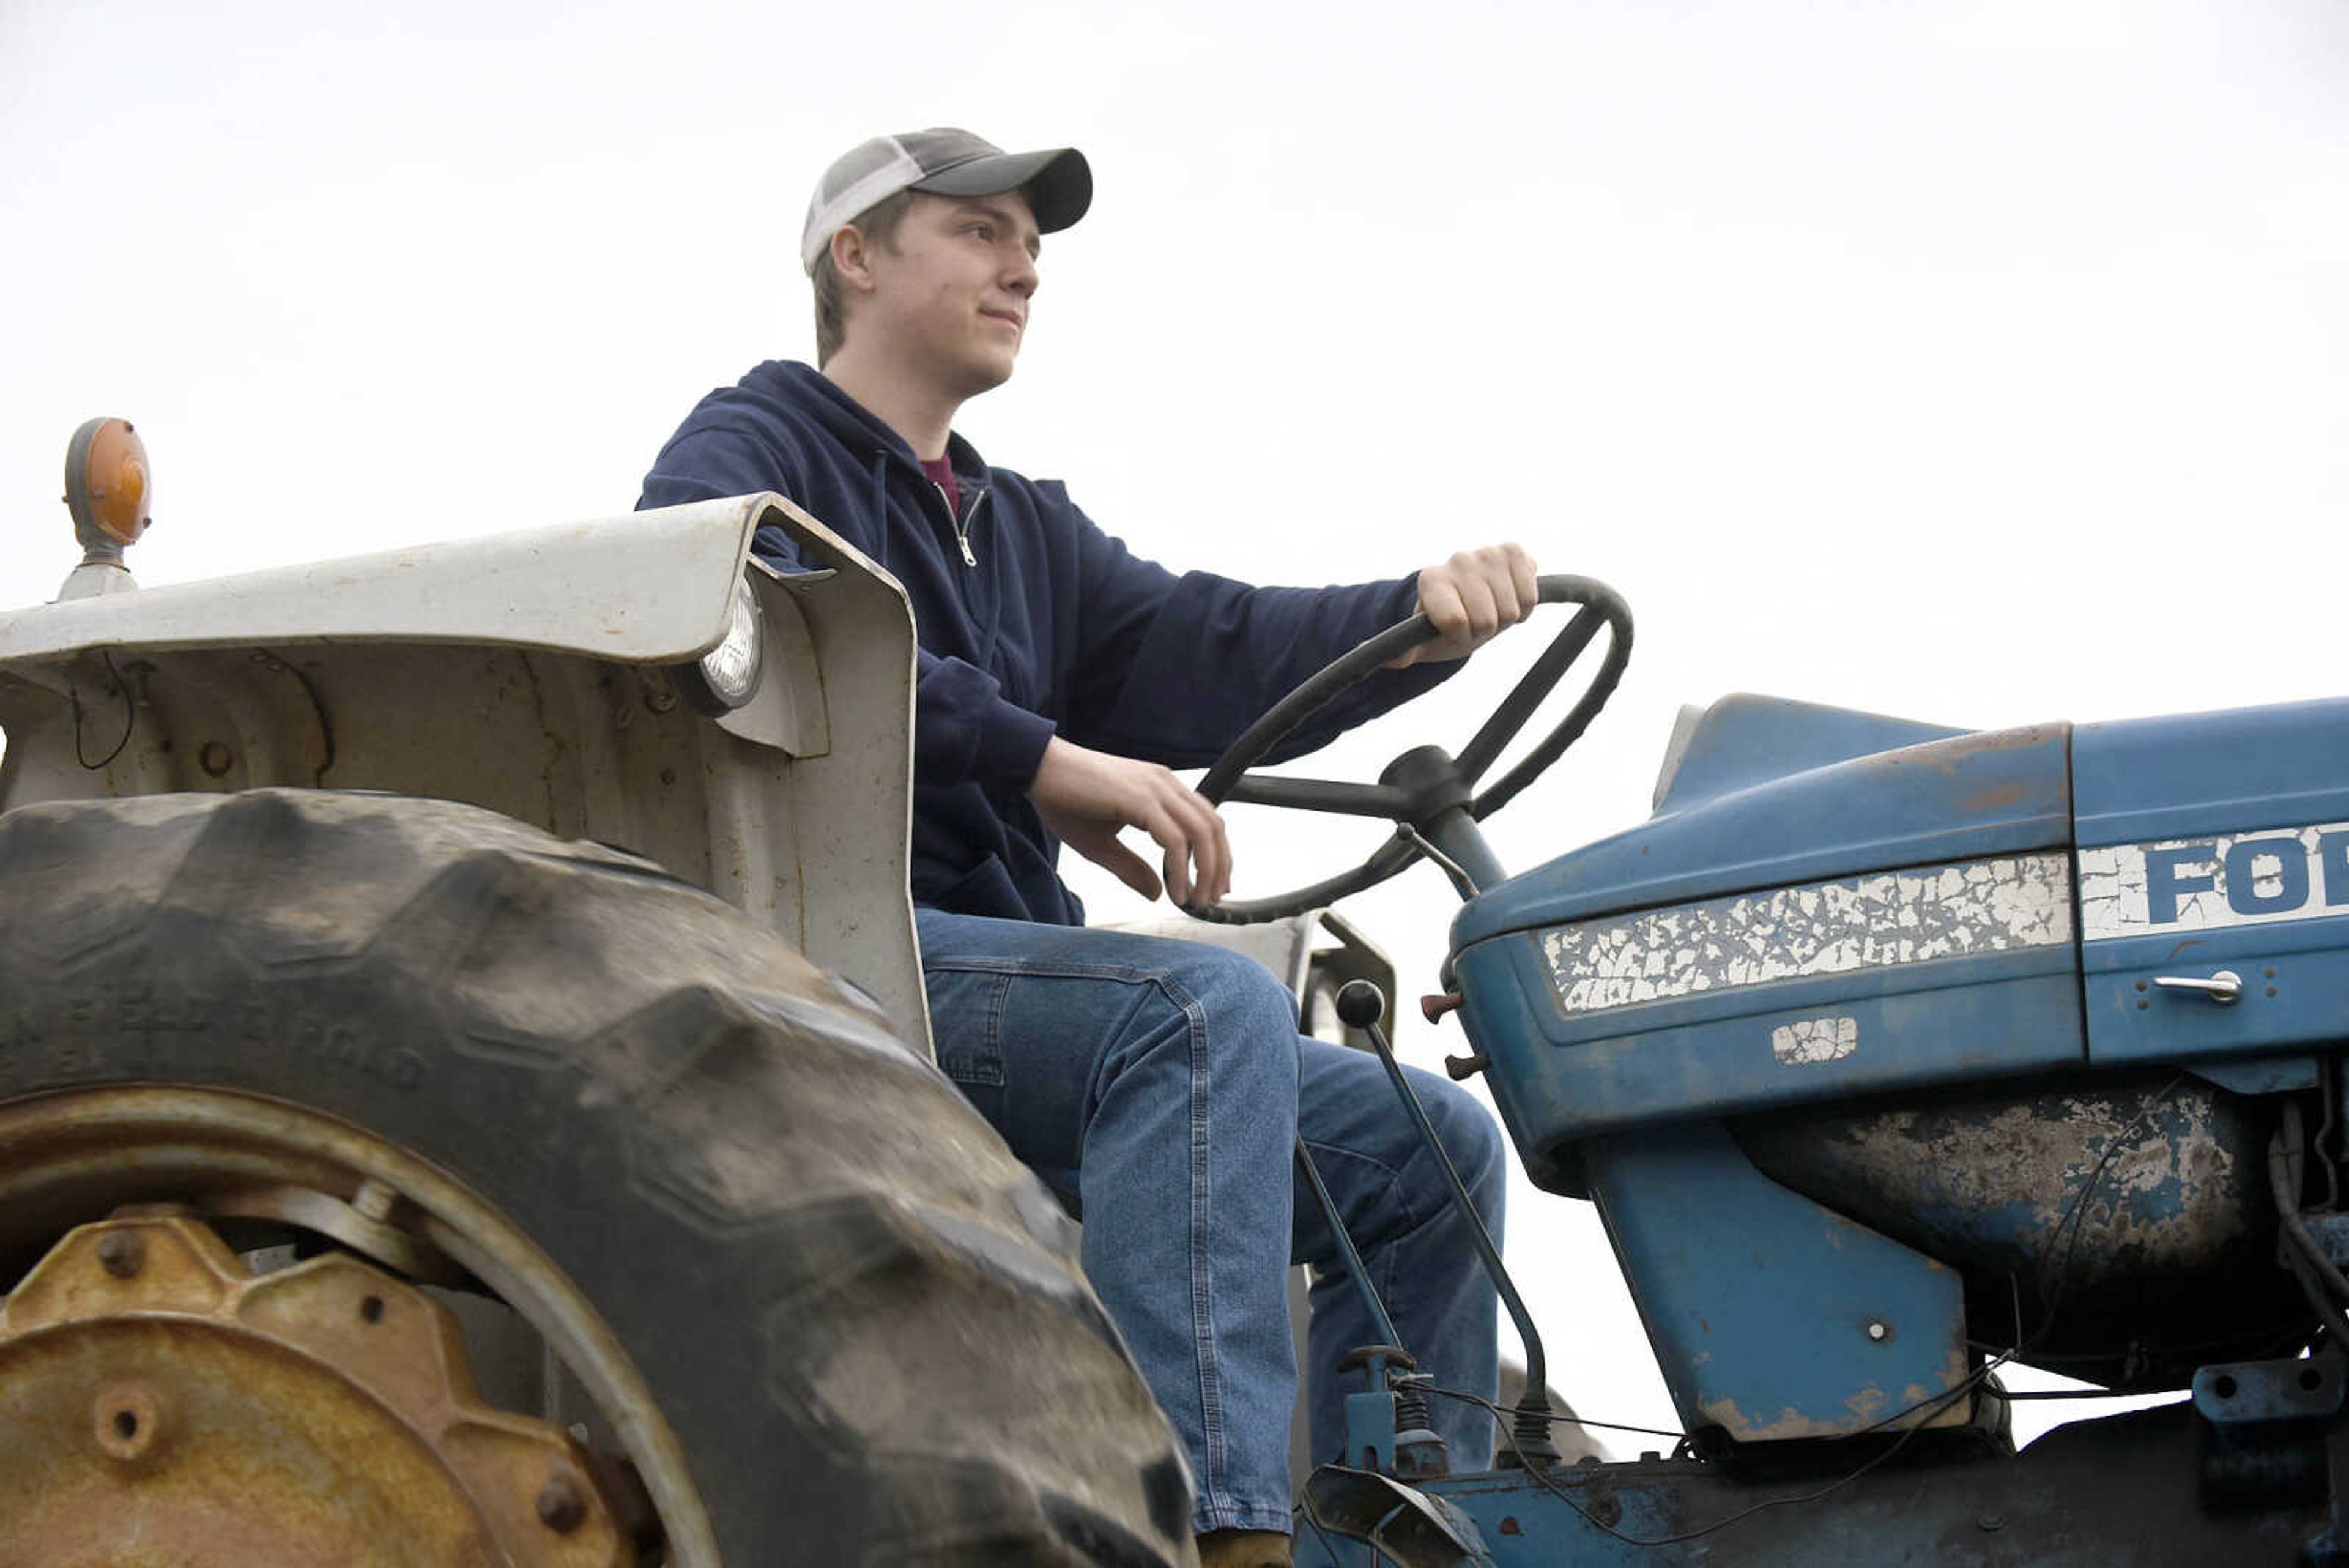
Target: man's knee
point(1244, 1004)
point(1474, 1141)
point(1237, 1022)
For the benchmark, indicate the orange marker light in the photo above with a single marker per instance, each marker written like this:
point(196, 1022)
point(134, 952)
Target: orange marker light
point(106, 484)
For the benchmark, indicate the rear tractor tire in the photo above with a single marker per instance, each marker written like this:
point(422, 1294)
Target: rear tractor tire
point(822, 1315)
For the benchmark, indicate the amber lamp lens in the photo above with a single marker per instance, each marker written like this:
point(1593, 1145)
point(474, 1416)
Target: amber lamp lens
point(106, 481)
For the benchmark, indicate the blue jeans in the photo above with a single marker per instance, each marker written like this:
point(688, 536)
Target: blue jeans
point(1159, 1087)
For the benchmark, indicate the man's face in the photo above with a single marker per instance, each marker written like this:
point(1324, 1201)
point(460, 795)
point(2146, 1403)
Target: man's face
point(950, 300)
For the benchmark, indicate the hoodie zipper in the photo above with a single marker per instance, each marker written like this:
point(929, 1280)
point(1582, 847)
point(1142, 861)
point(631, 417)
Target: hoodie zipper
point(962, 525)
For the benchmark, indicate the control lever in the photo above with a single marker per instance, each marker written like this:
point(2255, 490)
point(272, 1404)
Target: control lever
point(1433, 1009)
point(1361, 1005)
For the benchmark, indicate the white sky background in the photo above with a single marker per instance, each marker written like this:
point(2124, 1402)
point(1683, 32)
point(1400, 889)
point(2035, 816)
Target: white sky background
point(1982, 363)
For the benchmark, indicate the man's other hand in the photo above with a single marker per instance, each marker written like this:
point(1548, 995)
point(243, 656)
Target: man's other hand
point(1472, 598)
point(1086, 796)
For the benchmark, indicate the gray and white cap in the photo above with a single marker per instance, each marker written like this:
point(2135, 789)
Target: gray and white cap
point(1057, 181)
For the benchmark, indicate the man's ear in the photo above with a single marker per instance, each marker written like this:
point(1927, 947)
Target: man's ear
point(851, 258)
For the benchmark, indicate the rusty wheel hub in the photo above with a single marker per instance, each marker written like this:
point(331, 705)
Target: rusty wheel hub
point(160, 1404)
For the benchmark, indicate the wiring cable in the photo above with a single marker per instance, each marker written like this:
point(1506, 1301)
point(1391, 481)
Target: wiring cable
point(2054, 1393)
point(130, 717)
point(2283, 1183)
point(1427, 1384)
point(2324, 1140)
point(2303, 1256)
point(1933, 1407)
point(1374, 1538)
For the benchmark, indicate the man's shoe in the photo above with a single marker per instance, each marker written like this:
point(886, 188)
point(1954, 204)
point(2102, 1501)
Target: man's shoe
point(1244, 1548)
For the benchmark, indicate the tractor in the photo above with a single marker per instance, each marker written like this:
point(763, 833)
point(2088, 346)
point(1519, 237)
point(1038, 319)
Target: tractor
point(465, 1098)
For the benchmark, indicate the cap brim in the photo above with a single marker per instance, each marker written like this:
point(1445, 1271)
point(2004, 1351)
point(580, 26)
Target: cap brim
point(1058, 182)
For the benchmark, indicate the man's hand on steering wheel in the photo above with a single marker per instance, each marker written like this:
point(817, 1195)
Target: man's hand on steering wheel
point(1472, 598)
point(1086, 798)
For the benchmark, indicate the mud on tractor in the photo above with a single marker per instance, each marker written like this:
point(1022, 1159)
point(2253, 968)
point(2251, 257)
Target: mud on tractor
point(464, 1097)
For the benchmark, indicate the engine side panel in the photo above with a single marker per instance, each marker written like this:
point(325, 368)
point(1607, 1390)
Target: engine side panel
point(2211, 845)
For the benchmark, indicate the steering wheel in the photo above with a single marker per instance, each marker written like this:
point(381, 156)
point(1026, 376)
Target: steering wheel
point(1424, 782)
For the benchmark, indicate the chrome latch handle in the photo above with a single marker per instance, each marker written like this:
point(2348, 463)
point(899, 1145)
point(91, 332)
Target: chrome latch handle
point(2221, 988)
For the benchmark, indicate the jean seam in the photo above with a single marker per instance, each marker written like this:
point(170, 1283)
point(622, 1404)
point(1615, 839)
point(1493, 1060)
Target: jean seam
point(1399, 1190)
point(1055, 969)
point(999, 999)
point(981, 1068)
point(1203, 1300)
point(1223, 1514)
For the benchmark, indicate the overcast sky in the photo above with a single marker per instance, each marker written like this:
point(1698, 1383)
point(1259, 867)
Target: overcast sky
point(1982, 363)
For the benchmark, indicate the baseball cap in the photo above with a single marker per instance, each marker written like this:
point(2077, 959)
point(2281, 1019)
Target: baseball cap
point(1057, 181)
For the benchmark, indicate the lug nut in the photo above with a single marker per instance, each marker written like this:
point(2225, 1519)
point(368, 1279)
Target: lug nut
point(122, 1253)
point(562, 1507)
point(1879, 1331)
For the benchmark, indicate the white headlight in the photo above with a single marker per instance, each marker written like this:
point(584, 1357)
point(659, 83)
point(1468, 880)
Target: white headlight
point(727, 675)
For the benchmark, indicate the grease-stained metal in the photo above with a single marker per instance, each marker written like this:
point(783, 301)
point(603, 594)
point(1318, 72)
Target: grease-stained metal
point(2139, 1202)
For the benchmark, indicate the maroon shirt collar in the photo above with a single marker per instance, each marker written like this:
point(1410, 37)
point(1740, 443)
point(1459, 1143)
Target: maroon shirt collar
point(942, 474)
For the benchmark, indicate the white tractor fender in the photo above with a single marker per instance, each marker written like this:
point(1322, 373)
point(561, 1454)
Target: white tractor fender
point(648, 587)
point(534, 674)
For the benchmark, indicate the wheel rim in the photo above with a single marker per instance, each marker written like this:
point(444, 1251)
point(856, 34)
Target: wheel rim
point(70, 1158)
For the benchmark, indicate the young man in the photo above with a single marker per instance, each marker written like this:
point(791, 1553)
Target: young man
point(1158, 1085)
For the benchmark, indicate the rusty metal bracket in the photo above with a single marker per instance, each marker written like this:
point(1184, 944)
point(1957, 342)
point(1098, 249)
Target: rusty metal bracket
point(371, 1235)
point(158, 1402)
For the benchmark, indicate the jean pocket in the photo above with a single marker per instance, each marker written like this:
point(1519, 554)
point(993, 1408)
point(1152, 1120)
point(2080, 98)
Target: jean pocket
point(966, 1023)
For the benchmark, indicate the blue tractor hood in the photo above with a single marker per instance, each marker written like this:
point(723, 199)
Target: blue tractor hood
point(1815, 891)
point(1836, 1029)
point(1829, 904)
point(1760, 791)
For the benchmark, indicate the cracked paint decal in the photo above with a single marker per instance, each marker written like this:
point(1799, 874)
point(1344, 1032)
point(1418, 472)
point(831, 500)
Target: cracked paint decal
point(1808, 1040)
point(2202, 884)
point(1875, 922)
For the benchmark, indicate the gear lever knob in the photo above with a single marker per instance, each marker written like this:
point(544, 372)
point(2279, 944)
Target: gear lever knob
point(1359, 1004)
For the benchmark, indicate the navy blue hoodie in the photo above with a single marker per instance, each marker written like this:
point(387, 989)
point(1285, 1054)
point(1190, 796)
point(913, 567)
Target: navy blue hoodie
point(1032, 621)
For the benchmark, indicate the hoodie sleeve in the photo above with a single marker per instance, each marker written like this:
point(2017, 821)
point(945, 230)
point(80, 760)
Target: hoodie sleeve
point(964, 727)
point(1173, 669)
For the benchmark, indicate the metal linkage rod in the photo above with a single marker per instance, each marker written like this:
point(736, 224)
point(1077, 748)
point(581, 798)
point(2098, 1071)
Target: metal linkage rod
point(1353, 1259)
point(1361, 1006)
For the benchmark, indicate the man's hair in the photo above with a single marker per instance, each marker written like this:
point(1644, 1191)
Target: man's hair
point(878, 225)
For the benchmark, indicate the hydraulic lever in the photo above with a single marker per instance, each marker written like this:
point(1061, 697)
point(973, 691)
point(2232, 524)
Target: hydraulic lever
point(1361, 1005)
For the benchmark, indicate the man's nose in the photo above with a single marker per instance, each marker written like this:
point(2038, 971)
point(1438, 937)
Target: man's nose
point(1021, 277)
